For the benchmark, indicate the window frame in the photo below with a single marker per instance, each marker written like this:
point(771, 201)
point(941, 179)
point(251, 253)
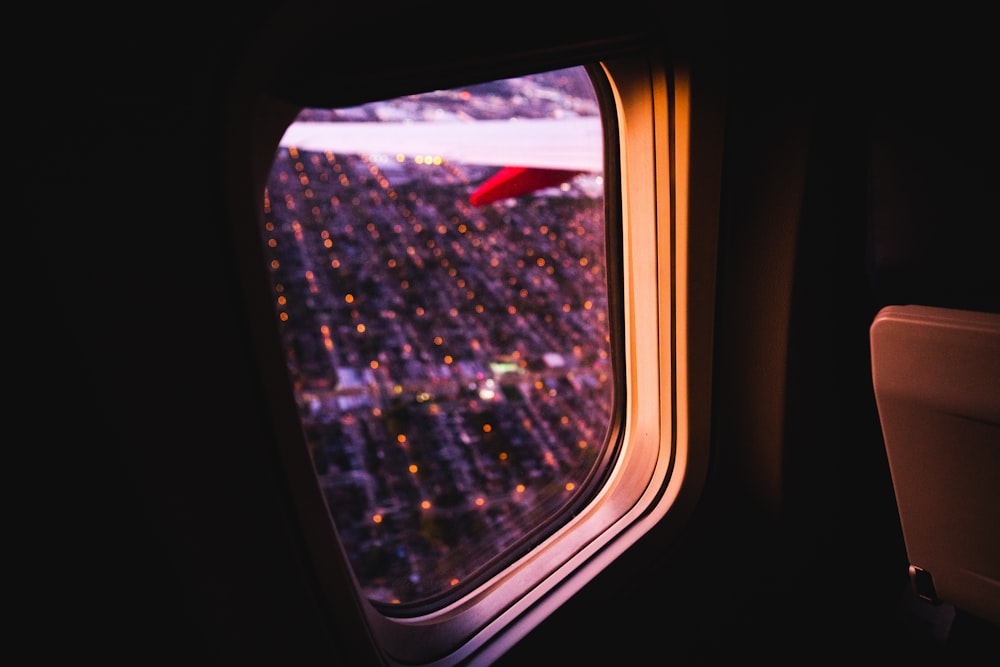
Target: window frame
point(657, 474)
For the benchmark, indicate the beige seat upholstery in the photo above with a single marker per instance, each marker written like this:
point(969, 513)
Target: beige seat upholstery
point(936, 374)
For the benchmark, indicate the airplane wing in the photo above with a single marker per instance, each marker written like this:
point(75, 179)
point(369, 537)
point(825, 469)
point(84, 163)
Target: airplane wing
point(534, 153)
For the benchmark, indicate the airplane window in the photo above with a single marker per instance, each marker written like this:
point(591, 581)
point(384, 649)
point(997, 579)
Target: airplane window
point(440, 276)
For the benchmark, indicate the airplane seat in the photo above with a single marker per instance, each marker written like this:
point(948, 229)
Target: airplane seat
point(936, 375)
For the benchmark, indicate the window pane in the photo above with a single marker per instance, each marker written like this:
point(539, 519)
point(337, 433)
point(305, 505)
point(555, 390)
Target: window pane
point(439, 274)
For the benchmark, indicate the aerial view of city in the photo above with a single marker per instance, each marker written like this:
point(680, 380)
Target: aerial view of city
point(451, 362)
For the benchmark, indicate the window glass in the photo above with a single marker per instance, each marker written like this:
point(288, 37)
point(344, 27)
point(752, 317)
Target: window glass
point(440, 280)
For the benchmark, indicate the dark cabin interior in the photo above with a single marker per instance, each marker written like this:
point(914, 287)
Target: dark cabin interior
point(858, 171)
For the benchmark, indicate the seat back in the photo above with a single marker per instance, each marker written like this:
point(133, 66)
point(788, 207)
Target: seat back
point(936, 374)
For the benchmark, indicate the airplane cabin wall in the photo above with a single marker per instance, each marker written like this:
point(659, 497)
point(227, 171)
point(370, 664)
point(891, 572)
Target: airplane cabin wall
point(158, 529)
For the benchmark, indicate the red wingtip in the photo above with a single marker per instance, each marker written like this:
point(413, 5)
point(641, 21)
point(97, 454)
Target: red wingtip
point(516, 181)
